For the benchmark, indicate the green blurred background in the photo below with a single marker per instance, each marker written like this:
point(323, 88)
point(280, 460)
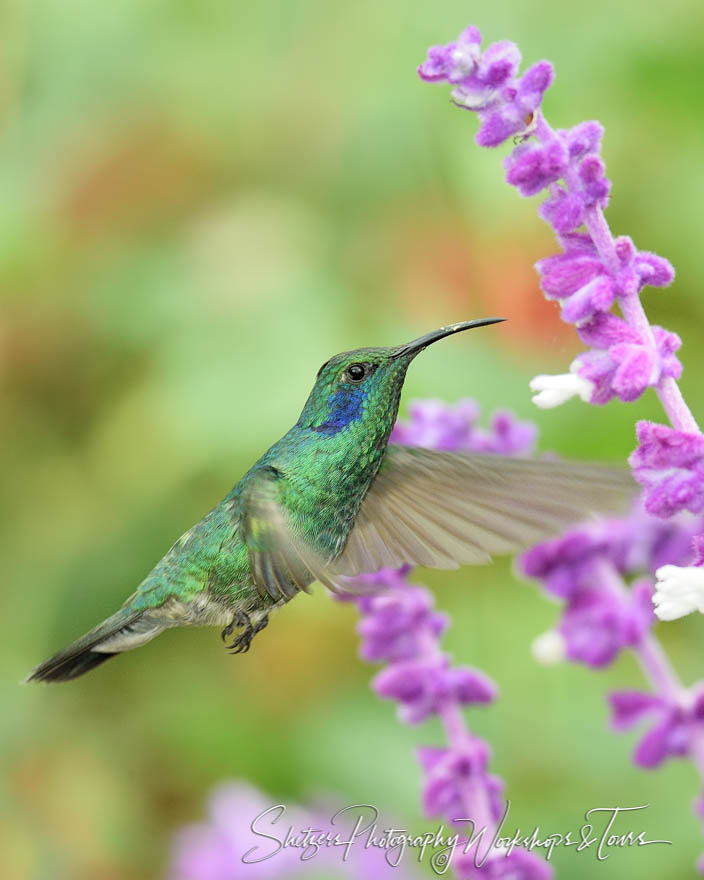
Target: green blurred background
point(200, 202)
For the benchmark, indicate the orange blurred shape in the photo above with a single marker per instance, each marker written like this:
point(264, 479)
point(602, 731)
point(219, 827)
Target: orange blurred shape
point(510, 287)
point(448, 268)
point(139, 176)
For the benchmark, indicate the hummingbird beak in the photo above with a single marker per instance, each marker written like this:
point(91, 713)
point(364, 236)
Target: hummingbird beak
point(412, 348)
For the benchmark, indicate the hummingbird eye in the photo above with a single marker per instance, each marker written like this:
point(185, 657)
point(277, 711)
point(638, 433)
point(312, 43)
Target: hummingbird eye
point(356, 372)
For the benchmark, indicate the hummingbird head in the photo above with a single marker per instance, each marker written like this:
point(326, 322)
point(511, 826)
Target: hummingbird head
point(363, 387)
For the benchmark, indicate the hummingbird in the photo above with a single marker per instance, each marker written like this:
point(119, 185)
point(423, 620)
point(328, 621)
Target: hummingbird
point(333, 499)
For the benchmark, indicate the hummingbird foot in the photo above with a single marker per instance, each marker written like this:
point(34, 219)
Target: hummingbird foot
point(240, 645)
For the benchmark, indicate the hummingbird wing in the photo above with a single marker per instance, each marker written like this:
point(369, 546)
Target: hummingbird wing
point(436, 509)
point(281, 562)
point(443, 509)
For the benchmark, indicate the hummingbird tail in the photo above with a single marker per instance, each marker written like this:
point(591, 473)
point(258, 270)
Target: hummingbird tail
point(123, 630)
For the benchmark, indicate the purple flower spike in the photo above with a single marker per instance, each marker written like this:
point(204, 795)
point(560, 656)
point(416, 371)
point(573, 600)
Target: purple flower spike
point(594, 274)
point(400, 626)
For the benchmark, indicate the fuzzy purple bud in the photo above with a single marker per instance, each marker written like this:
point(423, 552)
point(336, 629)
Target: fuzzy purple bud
point(598, 623)
point(422, 686)
point(447, 772)
point(595, 186)
point(568, 564)
point(454, 61)
point(669, 464)
point(531, 168)
point(395, 622)
point(582, 139)
point(517, 107)
point(563, 210)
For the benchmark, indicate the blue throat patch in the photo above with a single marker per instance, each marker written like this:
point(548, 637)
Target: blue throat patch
point(346, 405)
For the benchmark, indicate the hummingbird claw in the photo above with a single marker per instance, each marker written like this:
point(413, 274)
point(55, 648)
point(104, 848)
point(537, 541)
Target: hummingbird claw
point(242, 643)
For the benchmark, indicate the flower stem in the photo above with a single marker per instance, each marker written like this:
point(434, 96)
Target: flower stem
point(658, 670)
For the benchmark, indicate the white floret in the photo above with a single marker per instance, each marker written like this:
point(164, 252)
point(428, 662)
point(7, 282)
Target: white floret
point(678, 591)
point(548, 648)
point(551, 391)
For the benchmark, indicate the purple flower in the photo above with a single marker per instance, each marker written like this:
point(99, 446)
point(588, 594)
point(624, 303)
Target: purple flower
point(671, 734)
point(531, 168)
point(593, 274)
point(214, 849)
point(448, 771)
point(563, 210)
point(515, 110)
point(593, 185)
point(401, 627)
point(598, 623)
point(623, 363)
point(422, 686)
point(584, 567)
point(437, 425)
point(583, 139)
point(395, 623)
point(519, 864)
point(598, 620)
point(506, 436)
point(585, 286)
point(487, 83)
point(455, 427)
point(669, 464)
point(567, 565)
point(565, 207)
point(455, 61)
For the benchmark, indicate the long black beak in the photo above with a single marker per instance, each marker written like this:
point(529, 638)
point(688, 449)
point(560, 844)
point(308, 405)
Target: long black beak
point(422, 342)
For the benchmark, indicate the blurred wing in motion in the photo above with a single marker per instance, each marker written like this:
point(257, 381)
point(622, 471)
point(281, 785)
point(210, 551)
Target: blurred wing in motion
point(443, 509)
point(281, 563)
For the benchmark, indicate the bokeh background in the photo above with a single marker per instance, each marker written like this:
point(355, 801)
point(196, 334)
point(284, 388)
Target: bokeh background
point(199, 204)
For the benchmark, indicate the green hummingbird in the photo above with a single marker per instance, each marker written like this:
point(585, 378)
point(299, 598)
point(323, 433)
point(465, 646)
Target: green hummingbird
point(333, 499)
